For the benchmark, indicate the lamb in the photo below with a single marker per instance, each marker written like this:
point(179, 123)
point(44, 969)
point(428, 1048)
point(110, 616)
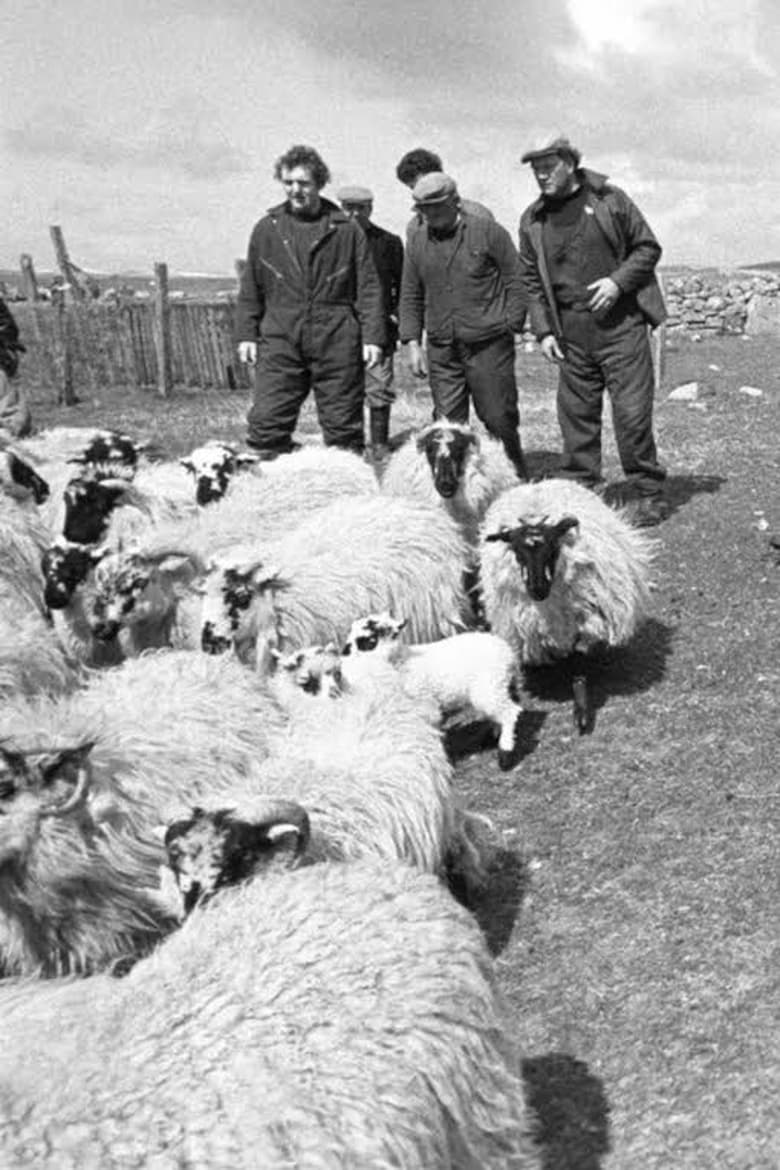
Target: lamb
point(451, 466)
point(85, 779)
point(355, 555)
point(474, 670)
point(562, 573)
point(322, 1017)
point(213, 466)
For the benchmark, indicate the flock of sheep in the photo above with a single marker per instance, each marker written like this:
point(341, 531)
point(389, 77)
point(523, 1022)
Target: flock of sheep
point(227, 816)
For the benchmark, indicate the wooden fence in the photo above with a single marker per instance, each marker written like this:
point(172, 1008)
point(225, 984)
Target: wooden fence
point(91, 344)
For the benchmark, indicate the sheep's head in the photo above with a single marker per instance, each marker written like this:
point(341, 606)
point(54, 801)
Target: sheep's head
point(35, 785)
point(372, 632)
point(536, 545)
point(130, 589)
point(20, 480)
point(221, 847)
point(89, 502)
point(312, 670)
point(238, 608)
point(213, 466)
point(110, 455)
point(65, 567)
point(447, 447)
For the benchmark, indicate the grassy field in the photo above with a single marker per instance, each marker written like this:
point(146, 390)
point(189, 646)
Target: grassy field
point(634, 913)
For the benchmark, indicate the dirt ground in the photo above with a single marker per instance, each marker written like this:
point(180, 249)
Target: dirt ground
point(634, 910)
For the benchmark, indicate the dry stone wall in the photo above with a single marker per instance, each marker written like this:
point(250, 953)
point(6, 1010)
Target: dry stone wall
point(723, 302)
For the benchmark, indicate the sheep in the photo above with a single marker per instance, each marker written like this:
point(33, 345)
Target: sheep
point(213, 466)
point(88, 778)
point(22, 542)
point(32, 658)
point(474, 670)
point(323, 1017)
point(349, 557)
point(453, 467)
point(562, 573)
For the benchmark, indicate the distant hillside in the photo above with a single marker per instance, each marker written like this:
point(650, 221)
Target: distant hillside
point(193, 284)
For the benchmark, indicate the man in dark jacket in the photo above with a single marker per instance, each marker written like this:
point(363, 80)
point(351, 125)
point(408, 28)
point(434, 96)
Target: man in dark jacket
point(309, 312)
point(15, 417)
point(461, 284)
point(588, 259)
point(388, 255)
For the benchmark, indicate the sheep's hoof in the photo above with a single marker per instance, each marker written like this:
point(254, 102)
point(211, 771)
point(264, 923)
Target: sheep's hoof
point(507, 760)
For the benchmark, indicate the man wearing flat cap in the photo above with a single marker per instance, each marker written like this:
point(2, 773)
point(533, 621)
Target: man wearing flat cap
point(388, 255)
point(588, 259)
point(461, 284)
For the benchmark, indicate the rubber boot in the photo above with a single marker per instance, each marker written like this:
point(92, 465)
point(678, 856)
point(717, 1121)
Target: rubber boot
point(514, 453)
point(379, 427)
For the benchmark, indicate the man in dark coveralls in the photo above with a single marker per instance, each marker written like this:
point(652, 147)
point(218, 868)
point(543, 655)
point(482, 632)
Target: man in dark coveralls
point(388, 253)
point(588, 258)
point(309, 312)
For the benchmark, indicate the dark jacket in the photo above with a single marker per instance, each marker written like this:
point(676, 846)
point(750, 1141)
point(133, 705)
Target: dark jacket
point(635, 248)
point(10, 345)
point(475, 295)
point(388, 254)
point(277, 298)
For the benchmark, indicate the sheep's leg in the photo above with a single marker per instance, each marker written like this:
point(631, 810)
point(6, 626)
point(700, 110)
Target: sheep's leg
point(583, 715)
point(508, 718)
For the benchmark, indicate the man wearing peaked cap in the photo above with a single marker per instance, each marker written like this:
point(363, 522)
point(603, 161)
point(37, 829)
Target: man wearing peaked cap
point(419, 162)
point(388, 255)
point(588, 259)
point(461, 285)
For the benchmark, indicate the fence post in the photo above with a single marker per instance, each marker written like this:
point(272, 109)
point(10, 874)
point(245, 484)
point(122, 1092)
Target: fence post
point(239, 266)
point(162, 333)
point(29, 279)
point(64, 357)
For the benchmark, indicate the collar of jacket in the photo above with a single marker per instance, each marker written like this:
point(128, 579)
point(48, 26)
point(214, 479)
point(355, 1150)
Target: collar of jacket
point(592, 181)
point(335, 214)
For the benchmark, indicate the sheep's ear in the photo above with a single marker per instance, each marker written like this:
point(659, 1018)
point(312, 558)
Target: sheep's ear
point(263, 575)
point(502, 534)
point(188, 465)
point(398, 625)
point(331, 648)
point(246, 459)
point(565, 524)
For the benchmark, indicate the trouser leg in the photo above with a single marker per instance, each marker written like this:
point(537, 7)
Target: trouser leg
point(447, 378)
point(490, 376)
point(338, 377)
point(380, 381)
point(282, 381)
point(628, 367)
point(579, 406)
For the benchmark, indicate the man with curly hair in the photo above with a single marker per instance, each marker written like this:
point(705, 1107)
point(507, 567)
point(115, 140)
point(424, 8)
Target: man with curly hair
point(309, 312)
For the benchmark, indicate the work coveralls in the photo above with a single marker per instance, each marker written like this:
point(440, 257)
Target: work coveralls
point(609, 351)
point(310, 323)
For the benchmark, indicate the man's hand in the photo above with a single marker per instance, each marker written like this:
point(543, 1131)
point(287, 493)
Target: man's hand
point(417, 363)
point(605, 293)
point(247, 352)
point(551, 349)
point(372, 356)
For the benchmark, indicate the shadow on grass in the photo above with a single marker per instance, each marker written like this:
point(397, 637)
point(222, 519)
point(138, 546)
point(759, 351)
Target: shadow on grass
point(462, 740)
point(542, 464)
point(572, 1110)
point(678, 490)
point(496, 903)
point(625, 670)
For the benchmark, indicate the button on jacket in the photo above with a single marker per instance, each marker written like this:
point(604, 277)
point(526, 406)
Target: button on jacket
point(635, 249)
point(278, 298)
point(467, 290)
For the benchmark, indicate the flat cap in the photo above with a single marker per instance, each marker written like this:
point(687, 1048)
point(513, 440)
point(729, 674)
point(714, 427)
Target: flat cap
point(560, 146)
point(434, 187)
point(354, 195)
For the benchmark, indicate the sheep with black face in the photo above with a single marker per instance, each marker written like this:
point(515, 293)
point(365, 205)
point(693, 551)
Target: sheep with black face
point(562, 574)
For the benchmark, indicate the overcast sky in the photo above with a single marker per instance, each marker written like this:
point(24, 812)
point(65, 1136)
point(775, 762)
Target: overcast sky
point(148, 129)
